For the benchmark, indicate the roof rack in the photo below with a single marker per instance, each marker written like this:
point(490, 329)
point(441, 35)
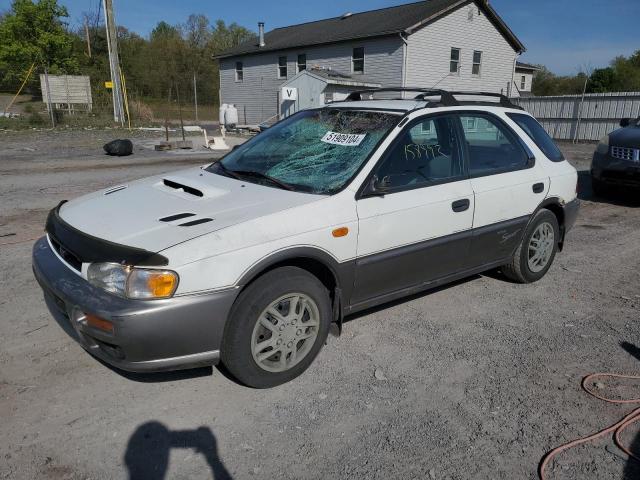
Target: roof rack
point(447, 99)
point(504, 100)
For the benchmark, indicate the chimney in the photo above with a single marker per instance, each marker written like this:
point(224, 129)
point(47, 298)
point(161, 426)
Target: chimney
point(261, 34)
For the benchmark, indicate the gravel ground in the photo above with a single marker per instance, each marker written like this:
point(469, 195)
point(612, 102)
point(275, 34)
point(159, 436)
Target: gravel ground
point(475, 380)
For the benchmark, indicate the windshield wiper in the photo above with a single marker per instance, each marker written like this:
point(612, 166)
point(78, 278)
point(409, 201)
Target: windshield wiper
point(251, 173)
point(226, 171)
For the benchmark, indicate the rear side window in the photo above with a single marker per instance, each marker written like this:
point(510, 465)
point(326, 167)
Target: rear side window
point(539, 135)
point(492, 147)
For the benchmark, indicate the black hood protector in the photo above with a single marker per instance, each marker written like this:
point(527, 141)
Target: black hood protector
point(90, 249)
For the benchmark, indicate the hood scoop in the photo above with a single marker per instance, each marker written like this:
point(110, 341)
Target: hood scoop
point(184, 188)
point(174, 219)
point(196, 222)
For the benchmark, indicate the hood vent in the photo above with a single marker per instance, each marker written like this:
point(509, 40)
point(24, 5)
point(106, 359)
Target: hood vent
point(196, 222)
point(115, 189)
point(185, 188)
point(178, 216)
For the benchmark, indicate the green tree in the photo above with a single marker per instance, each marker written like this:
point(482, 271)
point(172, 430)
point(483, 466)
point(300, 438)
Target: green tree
point(34, 32)
point(628, 72)
point(603, 80)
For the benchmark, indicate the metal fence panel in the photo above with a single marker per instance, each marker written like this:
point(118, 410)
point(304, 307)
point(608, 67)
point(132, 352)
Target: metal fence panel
point(567, 118)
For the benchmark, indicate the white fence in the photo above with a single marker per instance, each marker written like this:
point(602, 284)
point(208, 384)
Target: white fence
point(567, 118)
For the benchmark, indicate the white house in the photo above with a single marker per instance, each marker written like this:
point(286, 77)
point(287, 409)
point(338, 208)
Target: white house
point(449, 44)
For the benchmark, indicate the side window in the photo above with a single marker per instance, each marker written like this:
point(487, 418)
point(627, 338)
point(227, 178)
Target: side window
point(357, 60)
point(426, 153)
point(239, 72)
point(302, 62)
point(492, 147)
point(282, 67)
point(539, 135)
point(454, 63)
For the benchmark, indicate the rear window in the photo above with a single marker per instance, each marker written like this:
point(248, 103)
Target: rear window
point(538, 135)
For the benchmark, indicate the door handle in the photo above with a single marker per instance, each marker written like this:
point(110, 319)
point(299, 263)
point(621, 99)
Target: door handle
point(538, 188)
point(460, 205)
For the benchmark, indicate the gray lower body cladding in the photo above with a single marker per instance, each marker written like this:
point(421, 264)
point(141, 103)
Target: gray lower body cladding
point(172, 334)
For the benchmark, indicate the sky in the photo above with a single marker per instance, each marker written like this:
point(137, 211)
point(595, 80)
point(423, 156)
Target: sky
point(564, 35)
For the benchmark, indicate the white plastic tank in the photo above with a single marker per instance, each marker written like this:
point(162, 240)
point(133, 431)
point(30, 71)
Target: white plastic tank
point(223, 109)
point(231, 116)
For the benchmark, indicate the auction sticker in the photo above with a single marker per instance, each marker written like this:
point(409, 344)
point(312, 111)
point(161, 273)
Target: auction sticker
point(344, 139)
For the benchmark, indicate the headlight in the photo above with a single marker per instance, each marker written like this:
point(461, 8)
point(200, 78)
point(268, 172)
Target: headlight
point(137, 283)
point(603, 146)
point(111, 277)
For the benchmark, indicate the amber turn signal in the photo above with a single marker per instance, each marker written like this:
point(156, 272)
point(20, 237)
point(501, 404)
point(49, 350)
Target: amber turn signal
point(340, 232)
point(99, 323)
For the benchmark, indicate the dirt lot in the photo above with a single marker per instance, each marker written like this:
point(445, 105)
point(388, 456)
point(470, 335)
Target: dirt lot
point(476, 380)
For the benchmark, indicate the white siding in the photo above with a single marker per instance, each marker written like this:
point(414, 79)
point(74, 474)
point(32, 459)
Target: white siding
point(258, 93)
point(429, 53)
point(528, 81)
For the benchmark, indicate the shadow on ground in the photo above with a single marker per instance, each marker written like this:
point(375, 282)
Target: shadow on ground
point(622, 197)
point(147, 455)
point(632, 468)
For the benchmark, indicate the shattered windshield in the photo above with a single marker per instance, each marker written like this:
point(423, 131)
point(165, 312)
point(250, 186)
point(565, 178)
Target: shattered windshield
point(315, 151)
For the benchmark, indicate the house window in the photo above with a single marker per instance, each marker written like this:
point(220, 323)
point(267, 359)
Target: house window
point(302, 62)
point(523, 83)
point(357, 60)
point(471, 124)
point(454, 65)
point(239, 72)
point(282, 67)
point(477, 63)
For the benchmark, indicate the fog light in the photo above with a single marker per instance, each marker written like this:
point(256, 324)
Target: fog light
point(99, 323)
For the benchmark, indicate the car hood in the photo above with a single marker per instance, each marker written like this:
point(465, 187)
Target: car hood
point(159, 212)
point(625, 137)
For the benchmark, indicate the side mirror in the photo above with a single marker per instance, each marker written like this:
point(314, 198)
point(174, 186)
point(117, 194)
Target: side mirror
point(377, 187)
point(625, 122)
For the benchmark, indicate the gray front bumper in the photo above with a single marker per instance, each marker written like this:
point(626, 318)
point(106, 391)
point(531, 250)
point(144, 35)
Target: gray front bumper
point(173, 334)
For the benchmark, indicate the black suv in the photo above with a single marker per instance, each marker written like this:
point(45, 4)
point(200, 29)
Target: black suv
point(617, 158)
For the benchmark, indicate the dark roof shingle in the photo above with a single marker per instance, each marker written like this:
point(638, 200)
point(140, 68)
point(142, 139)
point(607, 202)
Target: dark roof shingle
point(387, 21)
point(526, 66)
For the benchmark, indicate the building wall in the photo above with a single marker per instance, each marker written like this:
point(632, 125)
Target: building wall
point(429, 53)
point(258, 93)
point(528, 81)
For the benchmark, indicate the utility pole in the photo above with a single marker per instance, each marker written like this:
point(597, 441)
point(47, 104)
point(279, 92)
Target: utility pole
point(49, 104)
point(114, 61)
point(195, 94)
point(86, 33)
point(578, 124)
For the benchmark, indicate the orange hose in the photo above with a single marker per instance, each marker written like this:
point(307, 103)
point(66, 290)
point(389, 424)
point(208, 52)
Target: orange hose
point(616, 428)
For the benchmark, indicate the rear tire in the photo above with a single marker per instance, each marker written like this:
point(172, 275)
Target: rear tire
point(277, 327)
point(537, 249)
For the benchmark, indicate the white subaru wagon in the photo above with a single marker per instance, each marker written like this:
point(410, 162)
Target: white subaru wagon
point(248, 261)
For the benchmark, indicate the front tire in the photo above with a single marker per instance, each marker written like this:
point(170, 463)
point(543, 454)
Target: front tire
point(537, 249)
point(277, 327)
